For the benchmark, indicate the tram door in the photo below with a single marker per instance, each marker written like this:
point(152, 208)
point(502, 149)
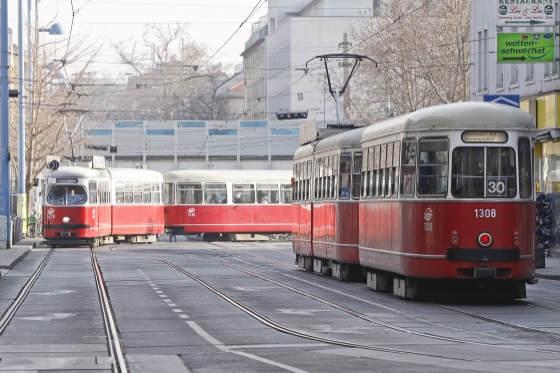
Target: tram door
point(93, 210)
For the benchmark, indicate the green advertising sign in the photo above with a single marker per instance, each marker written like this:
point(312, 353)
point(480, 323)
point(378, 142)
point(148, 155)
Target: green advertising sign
point(525, 47)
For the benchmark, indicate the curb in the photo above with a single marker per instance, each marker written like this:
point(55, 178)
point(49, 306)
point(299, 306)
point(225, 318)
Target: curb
point(547, 277)
point(17, 259)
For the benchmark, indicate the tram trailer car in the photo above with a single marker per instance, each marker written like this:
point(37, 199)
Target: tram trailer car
point(325, 222)
point(447, 205)
point(93, 206)
point(244, 205)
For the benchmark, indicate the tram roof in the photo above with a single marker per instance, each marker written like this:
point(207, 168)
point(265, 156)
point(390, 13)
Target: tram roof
point(135, 174)
point(77, 171)
point(346, 139)
point(456, 116)
point(229, 175)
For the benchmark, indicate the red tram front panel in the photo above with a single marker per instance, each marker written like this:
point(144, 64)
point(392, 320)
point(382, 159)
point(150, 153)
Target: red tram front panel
point(301, 229)
point(76, 222)
point(440, 239)
point(249, 218)
point(137, 219)
point(335, 231)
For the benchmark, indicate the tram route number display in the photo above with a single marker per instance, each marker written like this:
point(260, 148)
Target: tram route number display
point(496, 187)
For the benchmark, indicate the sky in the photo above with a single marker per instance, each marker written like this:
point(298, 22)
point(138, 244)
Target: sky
point(212, 22)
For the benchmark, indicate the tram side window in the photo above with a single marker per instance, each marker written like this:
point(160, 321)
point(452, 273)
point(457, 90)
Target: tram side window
point(389, 171)
point(345, 175)
point(156, 193)
point(432, 167)
point(267, 193)
point(286, 192)
point(215, 193)
point(525, 174)
point(146, 192)
point(467, 172)
point(92, 186)
point(243, 193)
point(395, 173)
point(383, 172)
point(189, 193)
point(137, 192)
point(119, 192)
point(357, 173)
point(104, 194)
point(375, 174)
point(365, 179)
point(168, 194)
point(501, 178)
point(128, 191)
point(408, 167)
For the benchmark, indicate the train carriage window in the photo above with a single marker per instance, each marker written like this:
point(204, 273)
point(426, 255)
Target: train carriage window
point(215, 193)
point(317, 184)
point(357, 176)
point(169, 193)
point(525, 174)
point(105, 194)
point(345, 175)
point(137, 194)
point(243, 193)
point(373, 172)
point(146, 192)
point(432, 167)
point(267, 193)
point(328, 177)
point(308, 179)
point(396, 160)
point(128, 192)
point(156, 193)
point(92, 186)
point(286, 192)
point(296, 179)
point(321, 169)
point(408, 167)
point(383, 172)
point(119, 192)
point(189, 193)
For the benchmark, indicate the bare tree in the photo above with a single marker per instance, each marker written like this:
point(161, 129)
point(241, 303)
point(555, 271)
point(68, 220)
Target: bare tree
point(52, 103)
point(423, 53)
point(167, 80)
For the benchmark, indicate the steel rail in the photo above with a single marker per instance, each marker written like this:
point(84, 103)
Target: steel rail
point(268, 322)
point(110, 326)
point(10, 312)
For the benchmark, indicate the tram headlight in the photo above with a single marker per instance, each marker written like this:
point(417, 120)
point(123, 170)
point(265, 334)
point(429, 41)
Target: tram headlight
point(66, 220)
point(485, 239)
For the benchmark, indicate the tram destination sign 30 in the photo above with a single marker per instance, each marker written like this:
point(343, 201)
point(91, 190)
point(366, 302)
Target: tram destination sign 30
point(525, 13)
point(525, 47)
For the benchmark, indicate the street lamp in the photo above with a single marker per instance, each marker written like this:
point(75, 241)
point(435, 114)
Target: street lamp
point(54, 29)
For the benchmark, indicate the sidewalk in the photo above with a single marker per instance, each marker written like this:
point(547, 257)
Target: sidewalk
point(10, 257)
point(551, 271)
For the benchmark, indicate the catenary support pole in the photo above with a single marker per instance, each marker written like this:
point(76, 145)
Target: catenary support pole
point(4, 121)
point(22, 196)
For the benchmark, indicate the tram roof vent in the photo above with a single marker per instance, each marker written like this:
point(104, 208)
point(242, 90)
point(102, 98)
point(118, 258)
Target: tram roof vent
point(141, 166)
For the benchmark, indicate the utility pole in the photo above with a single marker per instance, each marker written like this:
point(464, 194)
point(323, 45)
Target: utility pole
point(5, 198)
point(346, 106)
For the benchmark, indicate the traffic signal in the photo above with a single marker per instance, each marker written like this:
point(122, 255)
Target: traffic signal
point(283, 115)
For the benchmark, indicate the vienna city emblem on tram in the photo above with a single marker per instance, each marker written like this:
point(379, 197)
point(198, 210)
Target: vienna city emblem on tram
point(50, 213)
point(191, 212)
point(428, 214)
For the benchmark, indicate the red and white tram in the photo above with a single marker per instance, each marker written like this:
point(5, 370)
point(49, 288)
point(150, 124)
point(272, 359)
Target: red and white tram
point(97, 205)
point(327, 190)
point(446, 194)
point(229, 204)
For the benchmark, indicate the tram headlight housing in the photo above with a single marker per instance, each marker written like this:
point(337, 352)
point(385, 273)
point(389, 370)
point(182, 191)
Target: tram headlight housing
point(66, 220)
point(485, 239)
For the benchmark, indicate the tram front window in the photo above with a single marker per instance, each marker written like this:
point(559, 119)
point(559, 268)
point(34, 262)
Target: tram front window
point(67, 195)
point(472, 179)
point(432, 167)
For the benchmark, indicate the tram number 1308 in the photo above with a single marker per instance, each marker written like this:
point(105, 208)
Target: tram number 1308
point(485, 213)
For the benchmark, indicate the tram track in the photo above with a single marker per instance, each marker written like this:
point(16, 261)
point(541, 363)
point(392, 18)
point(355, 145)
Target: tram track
point(267, 321)
point(116, 354)
point(552, 335)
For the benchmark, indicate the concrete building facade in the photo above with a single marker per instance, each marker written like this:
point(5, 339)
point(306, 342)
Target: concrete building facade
point(537, 84)
point(294, 32)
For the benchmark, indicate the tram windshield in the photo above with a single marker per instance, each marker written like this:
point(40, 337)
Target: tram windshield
point(479, 172)
point(67, 195)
